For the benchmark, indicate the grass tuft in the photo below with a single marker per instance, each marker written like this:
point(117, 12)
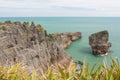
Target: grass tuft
point(103, 72)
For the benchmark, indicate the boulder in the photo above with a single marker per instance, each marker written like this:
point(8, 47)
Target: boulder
point(99, 42)
point(79, 66)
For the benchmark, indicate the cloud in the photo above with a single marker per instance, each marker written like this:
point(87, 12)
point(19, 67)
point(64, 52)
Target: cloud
point(60, 7)
point(23, 3)
point(74, 8)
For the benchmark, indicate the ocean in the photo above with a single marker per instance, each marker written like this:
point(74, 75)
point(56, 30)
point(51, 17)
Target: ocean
point(80, 50)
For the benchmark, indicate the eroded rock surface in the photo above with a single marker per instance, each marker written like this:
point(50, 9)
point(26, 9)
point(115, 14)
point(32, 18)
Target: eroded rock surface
point(31, 45)
point(67, 38)
point(99, 42)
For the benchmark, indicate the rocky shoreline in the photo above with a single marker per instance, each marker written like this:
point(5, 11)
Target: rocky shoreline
point(67, 38)
point(31, 45)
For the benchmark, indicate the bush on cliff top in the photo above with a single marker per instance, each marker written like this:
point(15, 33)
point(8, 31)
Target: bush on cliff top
point(103, 72)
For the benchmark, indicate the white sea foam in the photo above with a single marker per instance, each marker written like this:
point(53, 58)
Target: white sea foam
point(104, 54)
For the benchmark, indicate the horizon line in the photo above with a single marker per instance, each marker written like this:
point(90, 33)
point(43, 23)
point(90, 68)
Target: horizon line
point(57, 16)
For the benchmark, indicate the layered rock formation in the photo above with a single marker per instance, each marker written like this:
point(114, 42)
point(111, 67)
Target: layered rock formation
point(99, 42)
point(31, 45)
point(68, 37)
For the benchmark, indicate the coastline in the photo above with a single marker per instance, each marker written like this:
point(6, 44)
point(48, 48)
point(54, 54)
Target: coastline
point(31, 45)
point(80, 48)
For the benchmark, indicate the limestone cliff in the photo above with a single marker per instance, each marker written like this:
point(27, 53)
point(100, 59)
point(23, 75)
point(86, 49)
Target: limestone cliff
point(67, 38)
point(31, 45)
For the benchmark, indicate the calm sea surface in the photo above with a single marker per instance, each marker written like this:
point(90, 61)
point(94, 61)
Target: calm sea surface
point(80, 49)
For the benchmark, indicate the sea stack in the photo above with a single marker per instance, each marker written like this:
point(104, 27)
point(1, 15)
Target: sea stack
point(99, 42)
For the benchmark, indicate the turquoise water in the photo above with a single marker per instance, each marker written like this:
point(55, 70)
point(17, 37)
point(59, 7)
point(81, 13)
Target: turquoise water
point(80, 49)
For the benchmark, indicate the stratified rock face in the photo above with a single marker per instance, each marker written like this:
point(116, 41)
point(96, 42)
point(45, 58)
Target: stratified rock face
point(99, 42)
point(31, 45)
point(67, 38)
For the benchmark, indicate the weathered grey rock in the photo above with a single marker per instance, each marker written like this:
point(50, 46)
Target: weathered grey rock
point(79, 65)
point(67, 38)
point(99, 42)
point(31, 45)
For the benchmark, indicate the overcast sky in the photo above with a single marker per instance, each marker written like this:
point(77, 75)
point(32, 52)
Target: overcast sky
point(59, 8)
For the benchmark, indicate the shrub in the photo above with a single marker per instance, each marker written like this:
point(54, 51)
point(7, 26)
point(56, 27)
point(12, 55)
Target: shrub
point(103, 72)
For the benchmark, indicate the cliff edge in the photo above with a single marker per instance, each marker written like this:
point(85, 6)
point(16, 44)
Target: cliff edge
point(31, 45)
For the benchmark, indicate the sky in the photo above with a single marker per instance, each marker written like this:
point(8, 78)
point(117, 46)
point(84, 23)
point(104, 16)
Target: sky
point(46, 8)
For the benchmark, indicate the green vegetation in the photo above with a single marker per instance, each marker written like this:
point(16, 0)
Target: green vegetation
point(16, 73)
point(9, 49)
point(3, 28)
point(1, 36)
point(103, 72)
point(40, 28)
point(45, 33)
point(50, 36)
